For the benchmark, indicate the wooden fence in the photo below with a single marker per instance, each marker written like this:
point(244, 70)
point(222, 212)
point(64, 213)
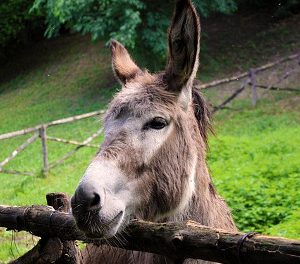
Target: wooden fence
point(249, 79)
point(40, 132)
point(176, 240)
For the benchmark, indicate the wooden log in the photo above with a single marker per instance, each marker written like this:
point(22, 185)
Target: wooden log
point(245, 74)
point(73, 151)
point(18, 150)
point(53, 123)
point(180, 240)
point(43, 136)
point(72, 142)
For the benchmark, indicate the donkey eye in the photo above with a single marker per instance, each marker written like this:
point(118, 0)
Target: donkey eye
point(156, 123)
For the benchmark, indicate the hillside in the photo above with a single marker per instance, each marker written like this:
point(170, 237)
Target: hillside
point(254, 159)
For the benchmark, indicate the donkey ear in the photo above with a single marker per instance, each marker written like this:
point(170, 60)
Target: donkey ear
point(184, 46)
point(122, 64)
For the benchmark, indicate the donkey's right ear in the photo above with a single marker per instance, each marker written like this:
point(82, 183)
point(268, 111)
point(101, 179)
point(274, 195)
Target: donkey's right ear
point(124, 67)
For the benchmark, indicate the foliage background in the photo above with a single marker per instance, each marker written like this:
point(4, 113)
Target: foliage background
point(141, 23)
point(135, 21)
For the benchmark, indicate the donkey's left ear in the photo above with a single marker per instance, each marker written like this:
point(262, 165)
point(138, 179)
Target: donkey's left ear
point(124, 67)
point(184, 47)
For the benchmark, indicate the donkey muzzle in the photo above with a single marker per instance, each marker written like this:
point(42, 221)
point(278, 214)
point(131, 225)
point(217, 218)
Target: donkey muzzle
point(97, 213)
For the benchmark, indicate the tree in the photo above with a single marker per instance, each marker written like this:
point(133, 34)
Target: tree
point(280, 8)
point(15, 18)
point(129, 21)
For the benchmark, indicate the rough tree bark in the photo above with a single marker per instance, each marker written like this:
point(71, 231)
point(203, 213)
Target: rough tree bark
point(184, 239)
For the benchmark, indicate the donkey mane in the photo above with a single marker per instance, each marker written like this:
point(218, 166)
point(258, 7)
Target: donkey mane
point(202, 113)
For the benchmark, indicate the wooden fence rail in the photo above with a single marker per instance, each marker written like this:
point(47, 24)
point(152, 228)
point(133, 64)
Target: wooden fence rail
point(72, 142)
point(177, 240)
point(73, 151)
point(49, 124)
point(246, 74)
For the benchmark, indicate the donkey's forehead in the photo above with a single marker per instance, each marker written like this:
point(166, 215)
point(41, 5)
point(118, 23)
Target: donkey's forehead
point(138, 98)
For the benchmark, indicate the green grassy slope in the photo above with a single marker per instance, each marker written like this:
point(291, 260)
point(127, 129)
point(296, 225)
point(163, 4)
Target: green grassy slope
point(73, 79)
point(254, 159)
point(64, 77)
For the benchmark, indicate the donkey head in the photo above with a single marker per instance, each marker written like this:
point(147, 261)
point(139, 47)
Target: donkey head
point(146, 165)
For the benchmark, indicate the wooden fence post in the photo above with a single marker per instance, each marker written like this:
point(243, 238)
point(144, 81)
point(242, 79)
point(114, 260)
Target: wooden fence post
point(253, 85)
point(70, 253)
point(43, 137)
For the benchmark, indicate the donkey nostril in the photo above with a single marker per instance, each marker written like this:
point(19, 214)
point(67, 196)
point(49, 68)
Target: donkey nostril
point(96, 200)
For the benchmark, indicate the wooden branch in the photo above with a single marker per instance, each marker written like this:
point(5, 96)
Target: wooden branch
point(176, 240)
point(18, 150)
point(245, 74)
point(70, 153)
point(72, 142)
point(43, 136)
point(53, 123)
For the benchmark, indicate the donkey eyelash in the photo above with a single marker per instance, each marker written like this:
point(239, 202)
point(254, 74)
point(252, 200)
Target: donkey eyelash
point(156, 123)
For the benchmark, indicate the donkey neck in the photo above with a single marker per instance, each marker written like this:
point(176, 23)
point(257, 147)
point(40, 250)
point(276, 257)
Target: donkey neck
point(206, 206)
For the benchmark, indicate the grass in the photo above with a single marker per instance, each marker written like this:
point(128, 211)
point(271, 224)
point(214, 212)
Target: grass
point(254, 159)
point(255, 163)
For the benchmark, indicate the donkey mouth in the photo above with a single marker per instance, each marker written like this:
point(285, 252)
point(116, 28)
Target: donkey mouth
point(93, 225)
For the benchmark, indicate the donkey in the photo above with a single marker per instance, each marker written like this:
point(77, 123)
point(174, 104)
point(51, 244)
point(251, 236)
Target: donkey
point(151, 164)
